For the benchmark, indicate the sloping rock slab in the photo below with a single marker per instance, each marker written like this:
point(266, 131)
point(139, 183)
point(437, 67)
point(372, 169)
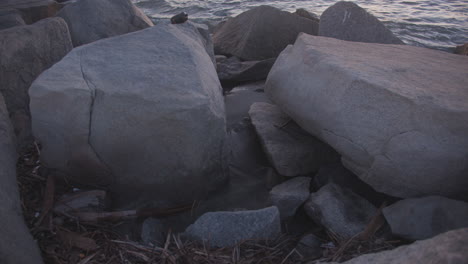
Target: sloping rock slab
point(26, 51)
point(289, 195)
point(91, 20)
point(154, 132)
point(339, 210)
point(291, 150)
point(422, 218)
point(16, 245)
point(235, 71)
point(448, 247)
point(260, 33)
point(225, 229)
point(348, 21)
point(397, 114)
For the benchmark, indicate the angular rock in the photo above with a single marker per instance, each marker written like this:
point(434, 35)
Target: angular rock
point(397, 114)
point(10, 18)
point(448, 247)
point(422, 218)
point(26, 52)
point(226, 229)
point(235, 71)
point(291, 150)
point(306, 14)
point(310, 247)
point(91, 20)
point(339, 210)
point(462, 49)
point(289, 195)
point(32, 10)
point(16, 240)
point(103, 121)
point(348, 21)
point(260, 33)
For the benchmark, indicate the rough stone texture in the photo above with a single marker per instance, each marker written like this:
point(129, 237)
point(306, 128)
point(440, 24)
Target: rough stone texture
point(348, 21)
point(16, 245)
point(422, 218)
point(462, 49)
point(291, 150)
point(310, 247)
point(152, 232)
point(397, 114)
point(289, 195)
point(260, 33)
point(225, 229)
point(306, 14)
point(10, 18)
point(233, 70)
point(91, 20)
point(449, 248)
point(153, 132)
point(32, 10)
point(26, 51)
point(339, 210)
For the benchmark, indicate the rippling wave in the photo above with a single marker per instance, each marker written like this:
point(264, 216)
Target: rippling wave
point(439, 24)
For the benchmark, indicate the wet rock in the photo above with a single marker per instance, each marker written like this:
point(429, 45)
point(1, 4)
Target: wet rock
point(235, 71)
point(260, 33)
point(10, 18)
point(462, 49)
point(291, 150)
point(339, 210)
point(103, 121)
point(365, 100)
point(225, 229)
point(310, 247)
point(289, 195)
point(26, 52)
point(422, 218)
point(348, 21)
point(17, 241)
point(448, 247)
point(91, 20)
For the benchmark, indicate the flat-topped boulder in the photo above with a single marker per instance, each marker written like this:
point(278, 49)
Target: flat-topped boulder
point(348, 21)
point(260, 33)
point(141, 113)
point(91, 20)
point(397, 114)
point(16, 245)
point(26, 51)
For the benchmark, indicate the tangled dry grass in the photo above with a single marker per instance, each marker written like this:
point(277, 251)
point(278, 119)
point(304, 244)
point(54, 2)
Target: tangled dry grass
point(67, 240)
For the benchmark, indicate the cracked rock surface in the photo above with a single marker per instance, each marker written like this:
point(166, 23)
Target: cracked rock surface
point(141, 113)
point(397, 114)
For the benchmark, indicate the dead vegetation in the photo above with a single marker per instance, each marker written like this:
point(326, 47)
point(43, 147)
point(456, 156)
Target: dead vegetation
point(90, 238)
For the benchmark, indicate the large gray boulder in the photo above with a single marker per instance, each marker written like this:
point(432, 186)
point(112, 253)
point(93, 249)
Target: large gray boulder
point(91, 20)
point(26, 51)
point(397, 114)
point(290, 149)
point(226, 229)
point(449, 248)
point(260, 33)
point(17, 245)
point(422, 218)
point(339, 210)
point(10, 18)
point(141, 113)
point(348, 21)
point(289, 195)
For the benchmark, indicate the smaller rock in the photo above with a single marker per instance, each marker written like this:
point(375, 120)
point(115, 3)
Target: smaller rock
point(339, 210)
point(289, 195)
point(290, 149)
point(306, 14)
point(152, 232)
point(462, 49)
point(179, 18)
point(10, 18)
point(422, 218)
point(235, 71)
point(225, 229)
point(310, 247)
